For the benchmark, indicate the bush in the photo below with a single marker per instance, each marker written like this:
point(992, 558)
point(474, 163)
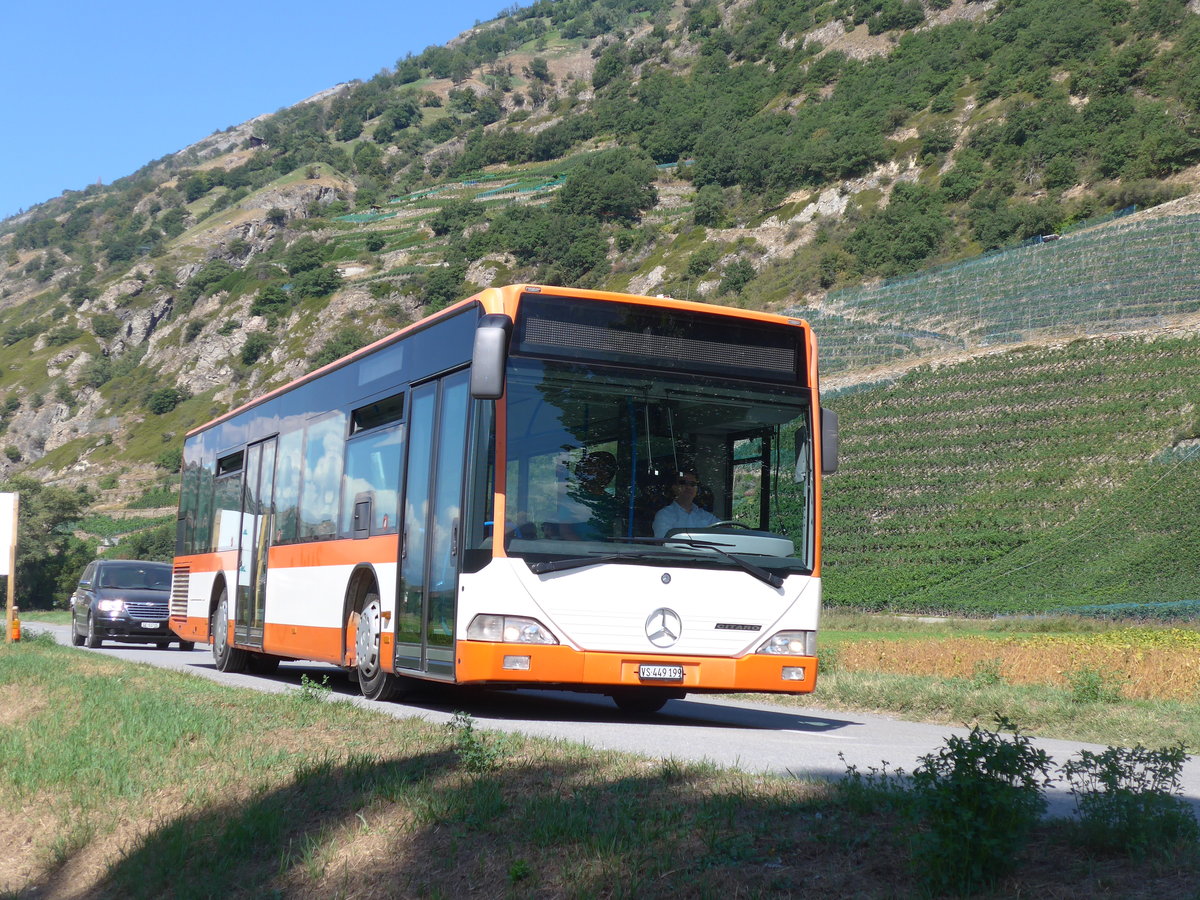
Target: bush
point(977, 799)
point(1126, 799)
point(346, 341)
point(171, 460)
point(165, 399)
point(105, 325)
point(1090, 685)
point(256, 346)
point(271, 300)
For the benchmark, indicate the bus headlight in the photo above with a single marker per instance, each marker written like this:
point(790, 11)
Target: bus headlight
point(791, 643)
point(509, 630)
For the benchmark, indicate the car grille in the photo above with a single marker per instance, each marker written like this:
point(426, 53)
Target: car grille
point(147, 610)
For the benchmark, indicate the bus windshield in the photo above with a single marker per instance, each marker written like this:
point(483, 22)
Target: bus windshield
point(609, 461)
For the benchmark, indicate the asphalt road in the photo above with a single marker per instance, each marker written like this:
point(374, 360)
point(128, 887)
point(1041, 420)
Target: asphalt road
point(756, 737)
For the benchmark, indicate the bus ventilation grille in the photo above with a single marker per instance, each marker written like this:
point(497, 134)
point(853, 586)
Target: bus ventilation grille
point(179, 591)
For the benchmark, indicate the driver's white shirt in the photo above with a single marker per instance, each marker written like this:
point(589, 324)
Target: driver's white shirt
point(675, 516)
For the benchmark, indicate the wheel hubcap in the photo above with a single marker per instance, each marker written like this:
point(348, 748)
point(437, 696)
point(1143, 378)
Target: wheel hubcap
point(366, 640)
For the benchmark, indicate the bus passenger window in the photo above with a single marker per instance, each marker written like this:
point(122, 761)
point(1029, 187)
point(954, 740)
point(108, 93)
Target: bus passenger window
point(323, 449)
point(373, 467)
point(287, 487)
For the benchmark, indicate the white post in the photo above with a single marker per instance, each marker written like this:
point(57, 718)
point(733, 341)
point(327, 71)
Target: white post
point(9, 504)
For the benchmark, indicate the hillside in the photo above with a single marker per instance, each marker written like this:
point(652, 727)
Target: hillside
point(1036, 479)
point(781, 154)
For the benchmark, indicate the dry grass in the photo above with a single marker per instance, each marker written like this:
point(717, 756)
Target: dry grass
point(1147, 664)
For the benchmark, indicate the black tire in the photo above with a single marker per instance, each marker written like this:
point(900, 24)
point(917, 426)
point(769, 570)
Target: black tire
point(227, 657)
point(373, 681)
point(641, 703)
point(187, 645)
point(92, 641)
point(76, 637)
point(261, 664)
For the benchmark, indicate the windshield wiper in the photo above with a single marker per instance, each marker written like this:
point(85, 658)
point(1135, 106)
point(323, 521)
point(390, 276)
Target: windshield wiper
point(750, 568)
point(578, 562)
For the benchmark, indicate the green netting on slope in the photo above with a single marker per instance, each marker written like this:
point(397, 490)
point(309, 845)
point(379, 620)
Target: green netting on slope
point(1109, 279)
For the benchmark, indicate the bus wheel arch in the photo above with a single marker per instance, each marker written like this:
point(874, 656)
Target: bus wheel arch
point(227, 657)
point(365, 624)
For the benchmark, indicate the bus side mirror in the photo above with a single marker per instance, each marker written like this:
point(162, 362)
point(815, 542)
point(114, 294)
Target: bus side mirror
point(829, 441)
point(490, 356)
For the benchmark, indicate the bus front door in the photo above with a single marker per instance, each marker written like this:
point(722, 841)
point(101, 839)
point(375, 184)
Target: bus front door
point(258, 514)
point(431, 542)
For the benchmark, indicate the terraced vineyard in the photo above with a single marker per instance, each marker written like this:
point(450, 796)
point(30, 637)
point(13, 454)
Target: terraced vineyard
point(1033, 480)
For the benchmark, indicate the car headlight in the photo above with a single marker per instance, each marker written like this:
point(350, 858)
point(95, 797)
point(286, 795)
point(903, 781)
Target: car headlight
point(111, 606)
point(509, 630)
point(791, 643)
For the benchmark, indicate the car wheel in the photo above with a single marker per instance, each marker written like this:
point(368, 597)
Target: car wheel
point(373, 681)
point(76, 637)
point(227, 657)
point(187, 645)
point(92, 640)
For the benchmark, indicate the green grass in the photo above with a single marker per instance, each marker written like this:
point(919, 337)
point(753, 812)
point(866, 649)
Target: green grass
point(209, 790)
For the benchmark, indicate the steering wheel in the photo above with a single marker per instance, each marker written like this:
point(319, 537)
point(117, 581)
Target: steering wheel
point(729, 523)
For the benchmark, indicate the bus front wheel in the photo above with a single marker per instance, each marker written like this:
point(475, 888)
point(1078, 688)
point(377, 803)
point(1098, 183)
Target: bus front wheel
point(227, 657)
point(373, 681)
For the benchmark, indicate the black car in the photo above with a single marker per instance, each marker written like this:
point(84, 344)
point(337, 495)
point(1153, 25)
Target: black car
point(123, 600)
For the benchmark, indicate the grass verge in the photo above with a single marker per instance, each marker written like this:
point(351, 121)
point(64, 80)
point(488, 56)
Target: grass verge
point(129, 781)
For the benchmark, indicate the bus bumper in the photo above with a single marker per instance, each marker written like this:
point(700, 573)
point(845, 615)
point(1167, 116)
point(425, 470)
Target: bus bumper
point(482, 662)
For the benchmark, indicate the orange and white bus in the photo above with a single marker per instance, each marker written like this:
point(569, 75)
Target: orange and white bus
point(473, 500)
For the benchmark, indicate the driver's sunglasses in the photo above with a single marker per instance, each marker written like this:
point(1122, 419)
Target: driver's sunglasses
point(688, 482)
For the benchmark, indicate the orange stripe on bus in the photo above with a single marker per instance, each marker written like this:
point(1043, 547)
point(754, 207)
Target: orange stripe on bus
point(480, 662)
point(383, 548)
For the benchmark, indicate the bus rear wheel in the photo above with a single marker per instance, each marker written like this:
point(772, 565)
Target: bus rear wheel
point(373, 681)
point(227, 657)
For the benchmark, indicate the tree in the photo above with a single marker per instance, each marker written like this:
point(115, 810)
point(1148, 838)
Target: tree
point(616, 184)
point(49, 556)
point(271, 300)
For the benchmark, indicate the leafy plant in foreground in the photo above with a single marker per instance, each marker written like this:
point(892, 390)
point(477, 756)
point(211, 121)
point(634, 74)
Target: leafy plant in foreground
point(1126, 799)
point(977, 799)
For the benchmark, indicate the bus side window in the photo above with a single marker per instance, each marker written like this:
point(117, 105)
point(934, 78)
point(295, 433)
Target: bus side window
point(324, 448)
point(287, 487)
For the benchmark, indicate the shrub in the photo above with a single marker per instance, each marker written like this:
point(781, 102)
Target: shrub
point(346, 341)
point(257, 344)
point(977, 799)
point(171, 460)
point(1126, 799)
point(105, 325)
point(1088, 685)
point(165, 399)
point(270, 300)
point(13, 454)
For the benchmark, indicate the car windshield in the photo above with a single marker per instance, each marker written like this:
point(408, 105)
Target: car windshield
point(135, 576)
point(610, 462)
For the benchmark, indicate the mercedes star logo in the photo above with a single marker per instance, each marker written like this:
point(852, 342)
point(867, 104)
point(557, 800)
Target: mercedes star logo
point(664, 627)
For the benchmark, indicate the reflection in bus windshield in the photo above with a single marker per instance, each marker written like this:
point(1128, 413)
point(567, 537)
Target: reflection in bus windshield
point(595, 455)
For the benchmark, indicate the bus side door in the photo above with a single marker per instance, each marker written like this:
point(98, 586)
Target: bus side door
point(431, 536)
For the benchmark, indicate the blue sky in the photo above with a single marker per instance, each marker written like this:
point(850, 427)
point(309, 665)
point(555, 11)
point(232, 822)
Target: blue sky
point(93, 91)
